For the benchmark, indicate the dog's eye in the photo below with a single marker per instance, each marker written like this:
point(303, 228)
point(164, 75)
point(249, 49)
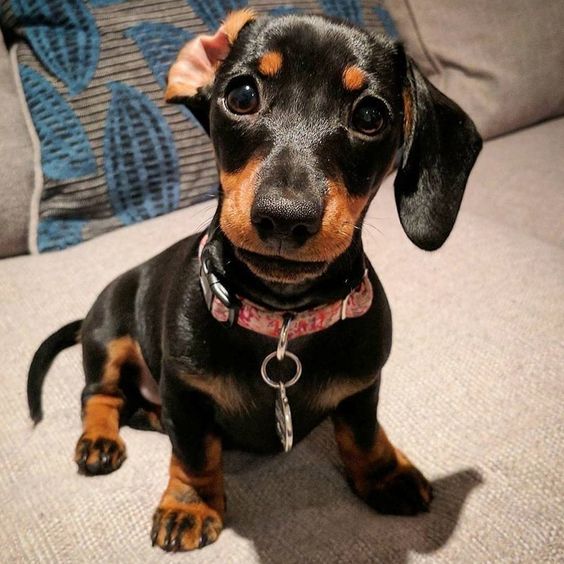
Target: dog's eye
point(369, 116)
point(242, 98)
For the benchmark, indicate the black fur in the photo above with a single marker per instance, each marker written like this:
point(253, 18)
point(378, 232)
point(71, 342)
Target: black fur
point(303, 137)
point(64, 338)
point(438, 155)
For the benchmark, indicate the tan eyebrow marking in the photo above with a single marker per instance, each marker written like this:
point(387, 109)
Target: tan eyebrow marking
point(235, 22)
point(354, 78)
point(270, 63)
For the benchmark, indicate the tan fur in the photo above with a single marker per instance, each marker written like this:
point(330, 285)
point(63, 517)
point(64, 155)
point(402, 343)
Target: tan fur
point(360, 463)
point(101, 416)
point(335, 392)
point(194, 68)
point(225, 392)
point(175, 92)
point(119, 351)
point(342, 212)
point(203, 519)
point(101, 412)
point(407, 113)
point(235, 22)
point(354, 78)
point(197, 496)
point(270, 63)
point(239, 192)
point(208, 483)
point(100, 420)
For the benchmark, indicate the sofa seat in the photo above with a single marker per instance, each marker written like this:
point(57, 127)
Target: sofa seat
point(473, 392)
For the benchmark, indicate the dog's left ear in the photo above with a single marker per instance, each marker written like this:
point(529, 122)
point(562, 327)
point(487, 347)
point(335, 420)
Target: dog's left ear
point(440, 147)
point(191, 76)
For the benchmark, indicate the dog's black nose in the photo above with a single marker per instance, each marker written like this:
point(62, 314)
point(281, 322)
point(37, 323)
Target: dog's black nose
point(288, 219)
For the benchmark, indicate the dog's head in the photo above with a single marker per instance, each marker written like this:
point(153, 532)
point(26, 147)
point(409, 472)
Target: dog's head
point(307, 115)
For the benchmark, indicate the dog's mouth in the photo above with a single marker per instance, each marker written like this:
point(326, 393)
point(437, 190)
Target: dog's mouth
point(277, 269)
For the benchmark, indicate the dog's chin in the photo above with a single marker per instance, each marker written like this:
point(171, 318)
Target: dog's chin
point(280, 270)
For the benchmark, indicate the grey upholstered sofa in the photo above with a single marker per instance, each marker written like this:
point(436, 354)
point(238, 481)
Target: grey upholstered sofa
point(473, 391)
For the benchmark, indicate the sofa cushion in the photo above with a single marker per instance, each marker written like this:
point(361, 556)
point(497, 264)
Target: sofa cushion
point(518, 182)
point(16, 163)
point(472, 393)
point(112, 152)
point(501, 61)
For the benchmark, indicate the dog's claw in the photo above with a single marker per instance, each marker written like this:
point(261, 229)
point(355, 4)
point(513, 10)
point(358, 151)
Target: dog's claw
point(169, 528)
point(185, 527)
point(99, 455)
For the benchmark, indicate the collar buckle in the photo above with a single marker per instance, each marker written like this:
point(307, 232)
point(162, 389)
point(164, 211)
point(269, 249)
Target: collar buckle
point(213, 288)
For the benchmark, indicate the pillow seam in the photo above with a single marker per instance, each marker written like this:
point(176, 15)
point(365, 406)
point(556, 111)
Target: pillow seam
point(36, 145)
point(437, 67)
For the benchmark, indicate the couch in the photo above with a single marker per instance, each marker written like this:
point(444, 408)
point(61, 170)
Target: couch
point(473, 392)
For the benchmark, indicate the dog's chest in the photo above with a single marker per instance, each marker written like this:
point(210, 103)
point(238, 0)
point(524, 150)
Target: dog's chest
point(224, 363)
point(245, 404)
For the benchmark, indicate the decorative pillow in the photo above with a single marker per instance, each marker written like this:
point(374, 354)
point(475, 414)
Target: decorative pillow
point(16, 163)
point(112, 152)
point(501, 61)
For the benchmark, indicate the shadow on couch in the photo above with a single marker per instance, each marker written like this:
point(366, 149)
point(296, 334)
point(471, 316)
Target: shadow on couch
point(302, 511)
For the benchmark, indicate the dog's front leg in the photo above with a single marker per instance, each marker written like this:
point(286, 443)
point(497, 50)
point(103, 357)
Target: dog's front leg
point(378, 472)
point(190, 513)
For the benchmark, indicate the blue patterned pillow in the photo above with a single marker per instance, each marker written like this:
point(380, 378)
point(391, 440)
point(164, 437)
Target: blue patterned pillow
point(112, 152)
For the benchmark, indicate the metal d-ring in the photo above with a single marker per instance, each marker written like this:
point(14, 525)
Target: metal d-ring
point(290, 382)
point(283, 339)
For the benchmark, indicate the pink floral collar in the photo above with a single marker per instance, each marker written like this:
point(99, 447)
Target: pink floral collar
point(269, 322)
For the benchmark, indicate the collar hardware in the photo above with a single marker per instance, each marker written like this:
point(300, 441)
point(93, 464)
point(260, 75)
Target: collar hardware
point(231, 310)
point(213, 288)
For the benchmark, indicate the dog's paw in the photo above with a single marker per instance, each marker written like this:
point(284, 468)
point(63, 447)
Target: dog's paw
point(99, 455)
point(404, 491)
point(185, 526)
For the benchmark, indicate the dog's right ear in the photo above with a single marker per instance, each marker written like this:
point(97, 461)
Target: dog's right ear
point(191, 76)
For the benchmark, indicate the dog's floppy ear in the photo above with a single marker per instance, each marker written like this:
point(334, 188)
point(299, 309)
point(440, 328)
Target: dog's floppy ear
point(191, 76)
point(441, 144)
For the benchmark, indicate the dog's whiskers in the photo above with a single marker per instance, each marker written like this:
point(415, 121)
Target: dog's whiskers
point(203, 209)
point(354, 226)
point(374, 227)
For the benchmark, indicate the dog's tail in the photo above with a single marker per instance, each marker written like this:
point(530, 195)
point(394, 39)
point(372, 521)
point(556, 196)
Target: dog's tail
point(65, 337)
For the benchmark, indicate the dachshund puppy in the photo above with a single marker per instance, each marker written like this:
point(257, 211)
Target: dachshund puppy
point(249, 335)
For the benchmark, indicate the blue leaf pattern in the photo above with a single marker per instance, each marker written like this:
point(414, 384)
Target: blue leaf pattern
point(65, 150)
point(103, 3)
point(159, 43)
point(57, 234)
point(387, 21)
point(140, 160)
point(213, 12)
point(64, 36)
point(346, 9)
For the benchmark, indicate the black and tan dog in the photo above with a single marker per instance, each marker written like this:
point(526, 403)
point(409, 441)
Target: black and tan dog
point(306, 115)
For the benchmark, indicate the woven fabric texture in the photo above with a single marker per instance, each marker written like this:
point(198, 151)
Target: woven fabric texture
point(501, 61)
point(16, 162)
point(112, 152)
point(472, 392)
